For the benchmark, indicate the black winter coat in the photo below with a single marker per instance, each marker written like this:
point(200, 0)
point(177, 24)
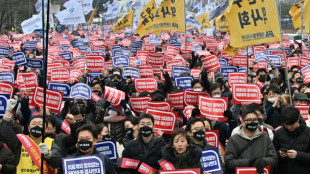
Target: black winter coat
point(7, 160)
point(136, 149)
point(298, 140)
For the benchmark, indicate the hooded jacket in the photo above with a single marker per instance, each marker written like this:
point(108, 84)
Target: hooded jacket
point(262, 147)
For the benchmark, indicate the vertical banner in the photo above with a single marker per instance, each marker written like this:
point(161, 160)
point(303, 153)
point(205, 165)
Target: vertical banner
point(125, 22)
point(147, 15)
point(204, 21)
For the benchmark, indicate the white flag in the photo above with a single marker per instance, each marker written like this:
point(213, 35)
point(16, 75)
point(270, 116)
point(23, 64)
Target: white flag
point(112, 11)
point(87, 5)
point(32, 24)
point(72, 15)
point(38, 5)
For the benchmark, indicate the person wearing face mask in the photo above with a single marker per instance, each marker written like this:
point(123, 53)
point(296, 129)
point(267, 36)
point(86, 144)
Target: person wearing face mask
point(261, 74)
point(145, 148)
point(249, 147)
point(219, 78)
point(86, 139)
point(180, 153)
point(292, 143)
point(273, 107)
point(297, 79)
point(164, 86)
point(197, 85)
point(25, 154)
point(131, 129)
point(196, 130)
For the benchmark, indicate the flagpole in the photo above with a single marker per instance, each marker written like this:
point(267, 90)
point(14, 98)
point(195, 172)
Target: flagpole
point(184, 27)
point(284, 54)
point(302, 23)
point(45, 72)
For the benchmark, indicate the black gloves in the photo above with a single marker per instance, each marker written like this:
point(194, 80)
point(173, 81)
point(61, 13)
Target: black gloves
point(258, 162)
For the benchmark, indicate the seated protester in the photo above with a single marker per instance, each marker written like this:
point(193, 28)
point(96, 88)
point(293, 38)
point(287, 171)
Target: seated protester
point(16, 143)
point(292, 143)
point(267, 129)
point(180, 153)
point(297, 79)
point(131, 130)
point(273, 107)
point(145, 147)
point(87, 138)
point(7, 160)
point(249, 147)
point(301, 99)
point(196, 130)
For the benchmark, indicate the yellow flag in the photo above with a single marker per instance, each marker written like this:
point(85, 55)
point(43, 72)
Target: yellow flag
point(253, 22)
point(232, 51)
point(170, 16)
point(295, 12)
point(221, 23)
point(306, 22)
point(146, 19)
point(204, 21)
point(124, 22)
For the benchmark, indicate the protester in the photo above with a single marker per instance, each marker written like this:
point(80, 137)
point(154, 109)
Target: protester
point(131, 129)
point(7, 160)
point(196, 130)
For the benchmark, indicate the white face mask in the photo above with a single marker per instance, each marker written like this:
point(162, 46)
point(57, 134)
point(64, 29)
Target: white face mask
point(217, 95)
point(112, 113)
point(197, 89)
point(272, 100)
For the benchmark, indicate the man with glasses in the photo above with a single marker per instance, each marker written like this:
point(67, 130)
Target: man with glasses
point(250, 147)
point(196, 130)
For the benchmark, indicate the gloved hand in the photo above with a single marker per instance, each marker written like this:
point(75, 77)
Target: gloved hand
point(11, 104)
point(260, 164)
point(43, 149)
point(253, 159)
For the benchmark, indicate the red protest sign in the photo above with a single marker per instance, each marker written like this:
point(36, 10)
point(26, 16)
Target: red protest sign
point(164, 121)
point(291, 61)
point(172, 51)
point(6, 88)
point(139, 104)
point(212, 138)
point(191, 97)
point(4, 68)
point(212, 44)
point(259, 65)
point(237, 78)
point(188, 111)
point(159, 105)
point(195, 72)
point(155, 59)
point(251, 170)
point(245, 94)
point(146, 71)
point(211, 63)
point(213, 108)
point(113, 96)
point(65, 63)
point(149, 48)
point(51, 66)
point(304, 61)
point(306, 75)
point(304, 111)
point(53, 98)
point(171, 63)
point(28, 80)
point(240, 60)
point(142, 55)
point(145, 84)
point(74, 75)
point(180, 171)
point(257, 49)
point(176, 99)
point(60, 75)
point(95, 97)
point(109, 65)
point(95, 63)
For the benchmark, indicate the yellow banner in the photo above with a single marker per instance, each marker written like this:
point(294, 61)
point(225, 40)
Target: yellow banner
point(146, 19)
point(124, 22)
point(253, 22)
point(221, 23)
point(204, 21)
point(306, 22)
point(232, 51)
point(170, 16)
point(295, 12)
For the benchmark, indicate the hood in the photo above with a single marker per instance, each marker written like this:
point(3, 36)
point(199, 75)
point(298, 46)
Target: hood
point(191, 156)
point(258, 133)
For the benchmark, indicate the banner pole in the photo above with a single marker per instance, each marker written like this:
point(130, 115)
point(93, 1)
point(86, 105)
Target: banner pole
point(184, 27)
point(301, 27)
point(45, 57)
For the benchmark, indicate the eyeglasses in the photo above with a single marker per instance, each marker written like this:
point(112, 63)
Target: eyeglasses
point(199, 128)
point(255, 120)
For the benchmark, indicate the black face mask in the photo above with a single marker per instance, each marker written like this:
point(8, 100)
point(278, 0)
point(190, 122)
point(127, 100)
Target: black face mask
point(146, 131)
point(50, 135)
point(85, 144)
point(200, 135)
point(262, 79)
point(251, 126)
point(106, 138)
point(36, 131)
point(97, 92)
point(299, 80)
point(129, 132)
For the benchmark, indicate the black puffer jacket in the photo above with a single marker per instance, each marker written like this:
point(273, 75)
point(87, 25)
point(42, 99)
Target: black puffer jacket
point(7, 160)
point(298, 140)
point(136, 149)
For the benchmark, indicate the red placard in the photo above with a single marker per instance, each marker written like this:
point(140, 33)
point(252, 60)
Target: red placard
point(171, 63)
point(291, 61)
point(142, 55)
point(257, 49)
point(213, 108)
point(306, 76)
point(191, 97)
point(65, 63)
point(195, 72)
point(212, 138)
point(139, 104)
point(259, 65)
point(246, 93)
point(109, 65)
point(304, 61)
point(4, 68)
point(60, 75)
point(211, 63)
point(164, 121)
point(6, 88)
point(113, 95)
point(304, 111)
point(172, 51)
point(53, 98)
point(145, 84)
point(159, 105)
point(203, 53)
point(240, 60)
point(251, 170)
point(51, 66)
point(149, 48)
point(95, 97)
point(237, 78)
point(146, 71)
point(95, 63)
point(212, 45)
point(28, 79)
point(74, 75)
point(180, 171)
point(155, 59)
point(176, 99)
point(188, 111)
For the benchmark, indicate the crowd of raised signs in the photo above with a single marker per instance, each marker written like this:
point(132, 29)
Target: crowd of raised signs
point(119, 103)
